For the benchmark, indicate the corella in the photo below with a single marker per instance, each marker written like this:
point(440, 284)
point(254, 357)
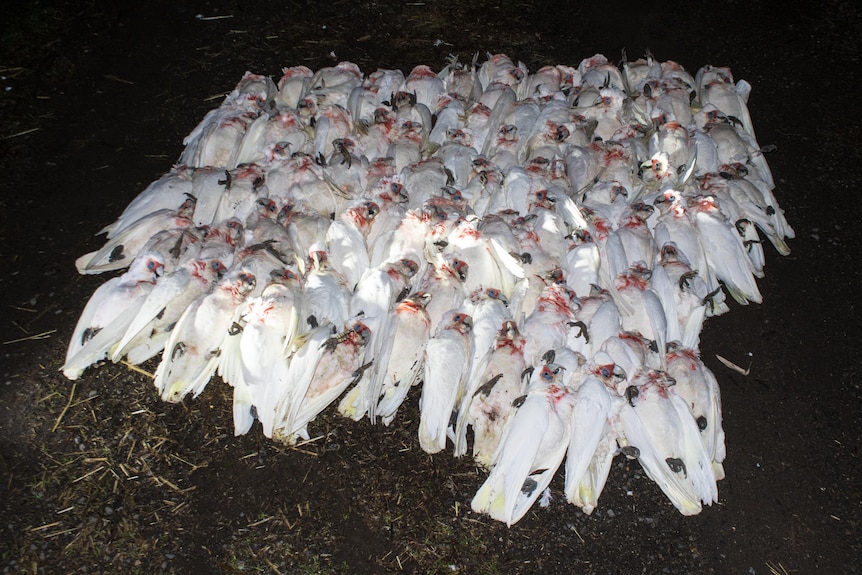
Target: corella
point(530, 255)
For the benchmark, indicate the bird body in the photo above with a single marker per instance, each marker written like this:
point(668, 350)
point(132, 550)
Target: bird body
point(192, 351)
point(531, 451)
point(657, 421)
point(108, 313)
point(446, 369)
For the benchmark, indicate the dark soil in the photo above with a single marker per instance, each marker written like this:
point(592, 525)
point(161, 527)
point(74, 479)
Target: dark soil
point(103, 477)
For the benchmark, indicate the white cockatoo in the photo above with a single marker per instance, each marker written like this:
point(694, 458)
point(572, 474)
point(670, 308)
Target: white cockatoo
point(109, 312)
point(446, 370)
point(192, 351)
point(532, 449)
point(492, 404)
point(658, 423)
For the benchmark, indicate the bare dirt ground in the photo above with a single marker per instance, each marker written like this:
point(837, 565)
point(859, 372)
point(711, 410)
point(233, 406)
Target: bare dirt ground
point(102, 477)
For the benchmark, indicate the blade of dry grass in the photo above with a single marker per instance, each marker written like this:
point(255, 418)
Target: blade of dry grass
point(733, 366)
point(65, 409)
point(138, 369)
point(43, 335)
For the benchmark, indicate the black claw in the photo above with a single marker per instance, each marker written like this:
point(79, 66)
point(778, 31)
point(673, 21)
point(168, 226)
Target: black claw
point(684, 279)
point(740, 225)
point(174, 252)
point(519, 401)
point(701, 423)
point(402, 295)
point(631, 394)
point(331, 343)
point(234, 329)
point(749, 243)
point(357, 373)
point(116, 254)
point(89, 334)
point(227, 182)
point(708, 298)
point(178, 351)
point(676, 465)
point(549, 356)
point(582, 330)
point(630, 451)
point(485, 388)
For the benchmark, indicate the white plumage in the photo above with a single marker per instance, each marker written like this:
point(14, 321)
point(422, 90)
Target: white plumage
point(454, 232)
point(532, 449)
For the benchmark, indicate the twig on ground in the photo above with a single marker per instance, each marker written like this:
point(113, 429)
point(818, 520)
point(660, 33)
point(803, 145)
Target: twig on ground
point(118, 79)
point(210, 18)
point(138, 369)
point(43, 335)
point(733, 366)
point(89, 473)
point(62, 413)
point(21, 133)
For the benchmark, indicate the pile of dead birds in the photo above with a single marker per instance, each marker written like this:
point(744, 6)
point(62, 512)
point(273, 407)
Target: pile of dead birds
point(534, 254)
